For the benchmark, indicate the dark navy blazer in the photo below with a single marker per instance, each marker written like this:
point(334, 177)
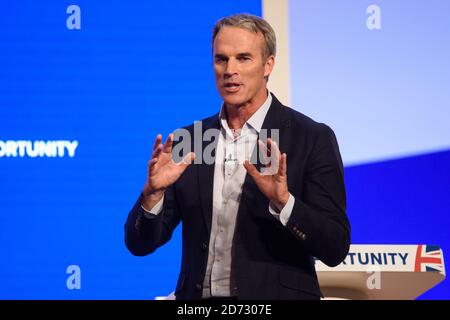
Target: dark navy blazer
point(269, 260)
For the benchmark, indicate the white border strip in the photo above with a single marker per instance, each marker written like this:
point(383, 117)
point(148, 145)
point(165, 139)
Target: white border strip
point(276, 12)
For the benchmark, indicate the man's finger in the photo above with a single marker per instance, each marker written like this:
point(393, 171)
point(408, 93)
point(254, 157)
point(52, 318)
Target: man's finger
point(168, 144)
point(275, 157)
point(283, 165)
point(263, 147)
point(251, 170)
point(264, 151)
point(157, 142)
point(273, 147)
point(157, 152)
point(188, 159)
point(152, 167)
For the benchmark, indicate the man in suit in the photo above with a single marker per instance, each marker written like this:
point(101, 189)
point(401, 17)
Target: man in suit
point(251, 229)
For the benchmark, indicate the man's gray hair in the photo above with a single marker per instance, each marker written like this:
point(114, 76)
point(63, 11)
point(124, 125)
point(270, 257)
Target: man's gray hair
point(252, 23)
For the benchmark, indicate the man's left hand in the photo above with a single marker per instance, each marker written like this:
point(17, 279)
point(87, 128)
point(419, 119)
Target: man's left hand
point(273, 180)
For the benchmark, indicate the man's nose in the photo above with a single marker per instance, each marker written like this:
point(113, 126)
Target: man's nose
point(231, 68)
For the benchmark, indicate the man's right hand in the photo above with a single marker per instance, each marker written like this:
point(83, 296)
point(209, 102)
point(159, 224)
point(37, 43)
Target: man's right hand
point(162, 171)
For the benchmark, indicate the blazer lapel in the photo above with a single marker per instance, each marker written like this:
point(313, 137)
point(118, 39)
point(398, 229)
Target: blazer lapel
point(206, 172)
point(276, 118)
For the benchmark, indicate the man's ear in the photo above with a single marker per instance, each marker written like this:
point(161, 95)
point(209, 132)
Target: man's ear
point(268, 66)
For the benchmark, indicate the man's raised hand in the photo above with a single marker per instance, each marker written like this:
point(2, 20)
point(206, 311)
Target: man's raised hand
point(162, 170)
point(273, 181)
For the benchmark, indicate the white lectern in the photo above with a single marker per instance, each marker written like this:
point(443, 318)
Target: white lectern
point(400, 272)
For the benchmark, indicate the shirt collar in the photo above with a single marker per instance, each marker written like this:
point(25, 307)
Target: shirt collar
point(255, 121)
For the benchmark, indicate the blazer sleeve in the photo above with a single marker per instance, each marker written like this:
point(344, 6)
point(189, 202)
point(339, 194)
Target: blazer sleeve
point(319, 219)
point(143, 235)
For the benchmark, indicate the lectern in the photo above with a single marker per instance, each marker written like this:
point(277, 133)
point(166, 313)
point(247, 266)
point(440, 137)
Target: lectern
point(400, 272)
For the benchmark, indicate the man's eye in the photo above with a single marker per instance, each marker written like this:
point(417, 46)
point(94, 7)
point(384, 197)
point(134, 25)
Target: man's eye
point(243, 58)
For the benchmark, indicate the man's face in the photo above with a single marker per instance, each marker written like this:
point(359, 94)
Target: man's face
point(240, 66)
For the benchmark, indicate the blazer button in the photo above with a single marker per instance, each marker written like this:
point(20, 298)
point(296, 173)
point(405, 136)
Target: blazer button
point(198, 286)
point(204, 245)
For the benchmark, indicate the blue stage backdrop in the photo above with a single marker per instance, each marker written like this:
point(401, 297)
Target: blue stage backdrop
point(132, 70)
point(86, 86)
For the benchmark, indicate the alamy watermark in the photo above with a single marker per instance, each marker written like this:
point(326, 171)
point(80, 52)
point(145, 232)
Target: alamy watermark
point(74, 279)
point(73, 21)
point(373, 21)
point(252, 147)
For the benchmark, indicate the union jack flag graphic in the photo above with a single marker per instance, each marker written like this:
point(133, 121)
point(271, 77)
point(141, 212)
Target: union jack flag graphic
point(428, 258)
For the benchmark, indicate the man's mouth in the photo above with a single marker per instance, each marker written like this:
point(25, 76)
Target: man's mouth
point(232, 87)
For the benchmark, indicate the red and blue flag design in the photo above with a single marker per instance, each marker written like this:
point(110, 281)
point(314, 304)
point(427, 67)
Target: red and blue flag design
point(428, 258)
